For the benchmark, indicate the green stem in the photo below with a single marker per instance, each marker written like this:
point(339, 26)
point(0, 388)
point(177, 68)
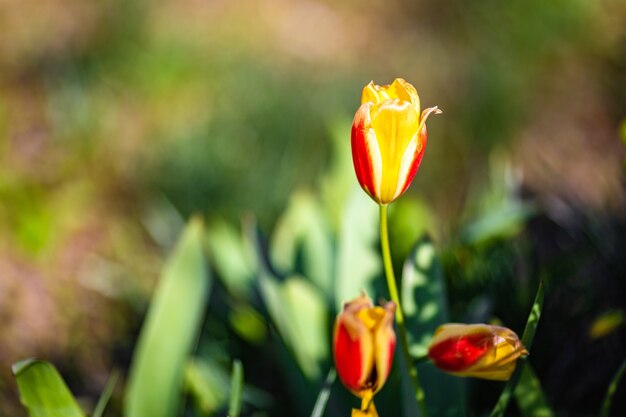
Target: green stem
point(393, 292)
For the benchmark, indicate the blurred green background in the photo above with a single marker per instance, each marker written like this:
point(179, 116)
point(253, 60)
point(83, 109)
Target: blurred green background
point(121, 118)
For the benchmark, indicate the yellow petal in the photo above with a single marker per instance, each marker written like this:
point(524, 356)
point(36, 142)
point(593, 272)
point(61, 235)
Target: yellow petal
point(368, 409)
point(395, 124)
point(374, 93)
point(385, 341)
point(404, 91)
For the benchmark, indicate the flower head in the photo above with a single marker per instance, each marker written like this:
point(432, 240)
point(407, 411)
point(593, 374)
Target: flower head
point(476, 350)
point(364, 342)
point(388, 139)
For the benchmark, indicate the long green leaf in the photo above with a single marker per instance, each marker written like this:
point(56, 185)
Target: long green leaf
point(300, 314)
point(42, 390)
point(527, 340)
point(425, 309)
point(301, 242)
point(106, 394)
point(608, 399)
point(324, 394)
point(170, 329)
point(236, 389)
point(358, 257)
point(232, 257)
point(208, 382)
point(529, 395)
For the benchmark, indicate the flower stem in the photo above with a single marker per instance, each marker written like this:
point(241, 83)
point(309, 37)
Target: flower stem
point(393, 292)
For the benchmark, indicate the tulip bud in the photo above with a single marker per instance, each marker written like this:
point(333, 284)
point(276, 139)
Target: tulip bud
point(476, 350)
point(364, 342)
point(388, 139)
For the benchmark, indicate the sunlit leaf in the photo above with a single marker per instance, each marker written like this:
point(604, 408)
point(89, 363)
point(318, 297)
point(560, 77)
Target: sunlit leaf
point(339, 178)
point(358, 258)
point(236, 389)
point(43, 392)
point(300, 313)
point(209, 383)
point(425, 308)
point(170, 330)
point(247, 323)
point(527, 340)
point(302, 235)
point(502, 222)
point(529, 395)
point(232, 257)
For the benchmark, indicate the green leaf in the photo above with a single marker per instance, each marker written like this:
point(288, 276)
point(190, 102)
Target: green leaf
point(232, 257)
point(425, 308)
point(608, 398)
point(358, 258)
point(209, 383)
point(170, 330)
point(303, 235)
point(527, 341)
point(530, 397)
point(502, 222)
point(299, 311)
point(106, 394)
point(247, 323)
point(324, 394)
point(236, 389)
point(42, 390)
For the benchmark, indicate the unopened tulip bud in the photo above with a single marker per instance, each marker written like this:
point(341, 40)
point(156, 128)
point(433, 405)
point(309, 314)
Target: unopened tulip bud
point(476, 350)
point(388, 139)
point(364, 342)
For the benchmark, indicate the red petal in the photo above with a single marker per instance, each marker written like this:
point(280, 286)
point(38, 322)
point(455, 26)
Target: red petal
point(360, 152)
point(348, 359)
point(457, 354)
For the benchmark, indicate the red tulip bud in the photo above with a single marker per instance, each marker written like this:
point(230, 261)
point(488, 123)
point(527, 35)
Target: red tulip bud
point(364, 342)
point(476, 350)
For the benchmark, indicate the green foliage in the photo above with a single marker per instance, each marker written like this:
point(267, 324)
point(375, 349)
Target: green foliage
point(206, 382)
point(527, 341)
point(106, 394)
point(170, 329)
point(608, 398)
point(529, 395)
point(232, 256)
point(236, 389)
point(358, 252)
point(324, 394)
point(302, 234)
point(42, 390)
point(425, 307)
point(299, 312)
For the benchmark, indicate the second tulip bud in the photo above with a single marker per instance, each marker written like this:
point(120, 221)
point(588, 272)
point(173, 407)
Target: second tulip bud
point(364, 342)
point(476, 350)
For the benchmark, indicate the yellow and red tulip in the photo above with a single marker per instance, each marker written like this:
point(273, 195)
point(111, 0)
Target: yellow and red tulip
point(363, 347)
point(476, 350)
point(388, 139)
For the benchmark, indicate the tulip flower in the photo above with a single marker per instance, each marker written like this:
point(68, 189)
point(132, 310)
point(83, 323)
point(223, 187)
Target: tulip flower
point(476, 350)
point(388, 139)
point(364, 342)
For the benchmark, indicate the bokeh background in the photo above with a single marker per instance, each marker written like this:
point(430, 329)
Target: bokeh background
point(121, 118)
